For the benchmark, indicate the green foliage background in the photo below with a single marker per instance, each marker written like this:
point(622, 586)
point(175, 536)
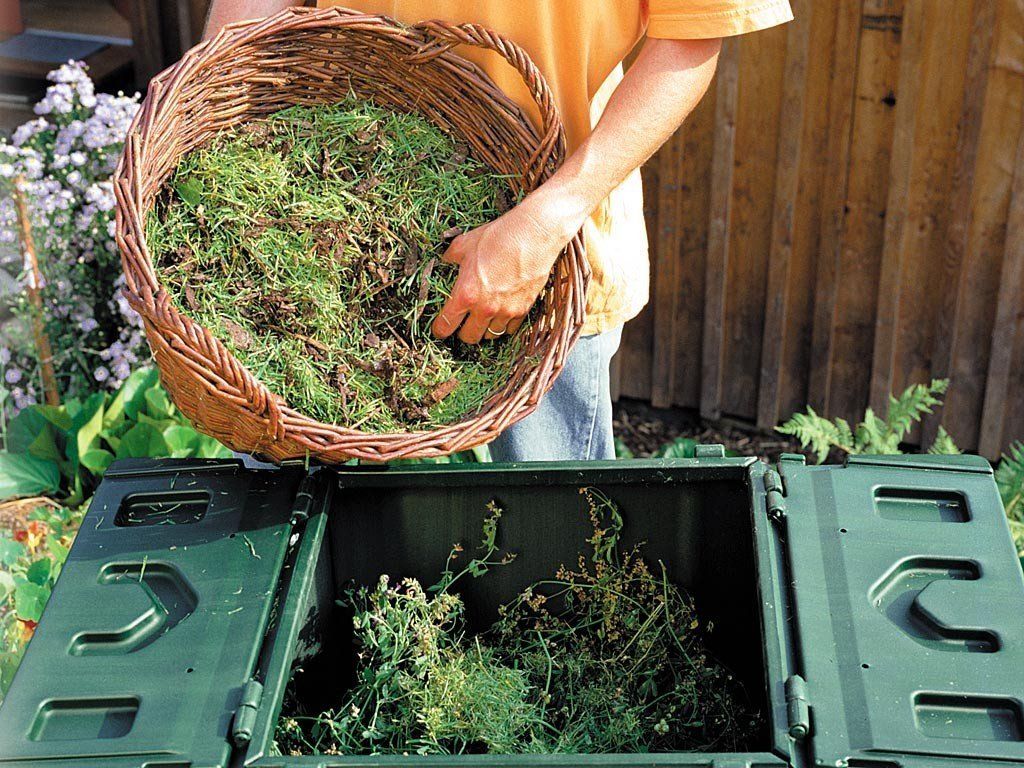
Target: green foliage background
point(61, 452)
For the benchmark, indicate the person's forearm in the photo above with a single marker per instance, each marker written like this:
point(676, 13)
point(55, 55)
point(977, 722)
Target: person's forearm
point(504, 264)
point(224, 12)
point(658, 92)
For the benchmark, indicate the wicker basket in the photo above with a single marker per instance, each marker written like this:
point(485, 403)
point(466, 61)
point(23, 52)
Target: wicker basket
point(306, 56)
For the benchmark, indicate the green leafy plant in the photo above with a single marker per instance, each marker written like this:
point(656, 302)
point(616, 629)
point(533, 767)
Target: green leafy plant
point(604, 657)
point(680, 448)
point(874, 434)
point(1010, 479)
point(883, 436)
point(32, 552)
point(62, 451)
point(622, 451)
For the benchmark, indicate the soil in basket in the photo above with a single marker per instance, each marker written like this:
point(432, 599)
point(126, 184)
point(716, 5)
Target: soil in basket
point(605, 656)
point(310, 243)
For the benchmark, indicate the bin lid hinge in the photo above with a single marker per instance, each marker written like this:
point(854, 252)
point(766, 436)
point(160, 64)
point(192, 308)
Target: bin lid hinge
point(798, 709)
point(303, 500)
point(776, 497)
point(245, 715)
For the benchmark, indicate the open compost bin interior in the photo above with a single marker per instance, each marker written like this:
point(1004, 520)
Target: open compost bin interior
point(701, 529)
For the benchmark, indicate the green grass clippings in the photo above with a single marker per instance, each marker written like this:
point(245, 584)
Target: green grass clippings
point(310, 243)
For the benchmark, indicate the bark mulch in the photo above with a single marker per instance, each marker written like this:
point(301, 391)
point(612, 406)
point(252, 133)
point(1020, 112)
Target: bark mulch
point(645, 429)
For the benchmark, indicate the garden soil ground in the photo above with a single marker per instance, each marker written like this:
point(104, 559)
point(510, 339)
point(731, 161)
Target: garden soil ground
point(645, 429)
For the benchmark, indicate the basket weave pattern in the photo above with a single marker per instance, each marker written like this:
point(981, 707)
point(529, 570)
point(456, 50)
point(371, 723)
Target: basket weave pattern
point(306, 56)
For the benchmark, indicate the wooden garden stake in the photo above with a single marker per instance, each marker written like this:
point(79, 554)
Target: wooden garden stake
point(34, 283)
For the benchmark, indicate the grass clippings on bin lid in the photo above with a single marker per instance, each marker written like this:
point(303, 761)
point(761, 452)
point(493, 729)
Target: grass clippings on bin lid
point(606, 656)
point(310, 243)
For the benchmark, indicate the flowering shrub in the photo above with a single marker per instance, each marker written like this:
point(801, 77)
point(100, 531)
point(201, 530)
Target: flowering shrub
point(67, 156)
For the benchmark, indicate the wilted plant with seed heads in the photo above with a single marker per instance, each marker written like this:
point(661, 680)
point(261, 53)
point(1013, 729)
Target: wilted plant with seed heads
point(606, 657)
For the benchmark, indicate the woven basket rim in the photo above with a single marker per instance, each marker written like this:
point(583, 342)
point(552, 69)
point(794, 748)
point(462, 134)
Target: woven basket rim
point(177, 339)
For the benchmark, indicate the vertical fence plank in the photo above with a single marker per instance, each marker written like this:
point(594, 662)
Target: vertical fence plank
point(637, 348)
point(198, 11)
point(911, 92)
point(977, 231)
point(1005, 385)
point(858, 256)
point(148, 46)
point(787, 180)
point(615, 373)
point(931, 92)
point(762, 63)
point(840, 137)
point(958, 220)
point(803, 137)
point(665, 266)
point(1003, 414)
point(694, 199)
point(719, 218)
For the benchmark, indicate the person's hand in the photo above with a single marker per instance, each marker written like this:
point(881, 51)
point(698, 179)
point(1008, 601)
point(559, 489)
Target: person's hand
point(503, 267)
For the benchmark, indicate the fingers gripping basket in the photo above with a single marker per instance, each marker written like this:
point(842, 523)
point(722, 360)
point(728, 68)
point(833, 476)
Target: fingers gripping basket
point(305, 56)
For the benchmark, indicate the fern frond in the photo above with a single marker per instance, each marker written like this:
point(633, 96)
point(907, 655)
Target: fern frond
point(873, 435)
point(1017, 531)
point(844, 435)
point(813, 431)
point(944, 444)
point(915, 401)
point(1010, 480)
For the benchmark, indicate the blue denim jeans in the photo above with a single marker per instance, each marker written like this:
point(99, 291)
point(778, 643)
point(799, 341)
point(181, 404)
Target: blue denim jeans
point(573, 422)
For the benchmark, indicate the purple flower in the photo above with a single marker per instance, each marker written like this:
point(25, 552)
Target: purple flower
point(32, 167)
point(67, 155)
point(25, 132)
point(122, 370)
point(22, 399)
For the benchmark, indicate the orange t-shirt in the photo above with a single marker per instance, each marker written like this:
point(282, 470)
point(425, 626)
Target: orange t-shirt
point(579, 45)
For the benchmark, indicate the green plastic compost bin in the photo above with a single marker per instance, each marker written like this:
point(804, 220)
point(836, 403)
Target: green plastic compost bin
point(874, 612)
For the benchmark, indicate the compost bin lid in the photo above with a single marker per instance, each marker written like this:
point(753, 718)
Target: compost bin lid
point(150, 638)
point(909, 612)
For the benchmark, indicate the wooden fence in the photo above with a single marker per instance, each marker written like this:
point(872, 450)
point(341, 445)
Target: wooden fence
point(843, 216)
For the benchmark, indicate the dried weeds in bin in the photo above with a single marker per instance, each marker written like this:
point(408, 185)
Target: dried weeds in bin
point(606, 657)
